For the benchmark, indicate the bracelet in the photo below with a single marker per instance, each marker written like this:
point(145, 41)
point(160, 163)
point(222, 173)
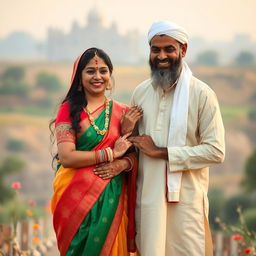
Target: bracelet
point(104, 155)
point(130, 162)
point(110, 154)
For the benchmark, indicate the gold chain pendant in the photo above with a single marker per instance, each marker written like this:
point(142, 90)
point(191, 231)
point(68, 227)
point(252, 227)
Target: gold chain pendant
point(91, 119)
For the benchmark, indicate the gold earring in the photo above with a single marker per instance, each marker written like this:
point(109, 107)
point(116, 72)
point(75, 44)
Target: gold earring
point(109, 87)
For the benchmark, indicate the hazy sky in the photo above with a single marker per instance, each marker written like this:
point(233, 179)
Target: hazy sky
point(211, 19)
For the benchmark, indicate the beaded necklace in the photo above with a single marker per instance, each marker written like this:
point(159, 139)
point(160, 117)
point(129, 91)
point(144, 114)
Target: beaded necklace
point(92, 122)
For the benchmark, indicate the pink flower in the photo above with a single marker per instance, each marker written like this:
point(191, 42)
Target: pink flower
point(247, 250)
point(16, 185)
point(31, 202)
point(237, 237)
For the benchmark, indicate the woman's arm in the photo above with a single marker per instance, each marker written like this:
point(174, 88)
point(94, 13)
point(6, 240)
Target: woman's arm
point(72, 158)
point(110, 170)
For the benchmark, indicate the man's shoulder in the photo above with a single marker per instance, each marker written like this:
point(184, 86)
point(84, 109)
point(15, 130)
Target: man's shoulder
point(199, 86)
point(142, 86)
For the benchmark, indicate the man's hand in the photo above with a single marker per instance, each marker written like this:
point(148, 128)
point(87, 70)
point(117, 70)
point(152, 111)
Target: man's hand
point(130, 118)
point(110, 170)
point(147, 146)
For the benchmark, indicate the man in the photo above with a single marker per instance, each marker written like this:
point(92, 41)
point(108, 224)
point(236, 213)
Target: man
point(181, 134)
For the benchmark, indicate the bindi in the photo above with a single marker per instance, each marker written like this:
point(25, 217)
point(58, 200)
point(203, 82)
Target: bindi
point(96, 59)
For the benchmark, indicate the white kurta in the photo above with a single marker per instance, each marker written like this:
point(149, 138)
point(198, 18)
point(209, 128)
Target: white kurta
point(177, 229)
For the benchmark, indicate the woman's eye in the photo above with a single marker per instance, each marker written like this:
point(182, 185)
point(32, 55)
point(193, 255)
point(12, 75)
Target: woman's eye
point(90, 72)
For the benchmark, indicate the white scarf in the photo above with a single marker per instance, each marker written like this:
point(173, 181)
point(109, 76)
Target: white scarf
point(178, 129)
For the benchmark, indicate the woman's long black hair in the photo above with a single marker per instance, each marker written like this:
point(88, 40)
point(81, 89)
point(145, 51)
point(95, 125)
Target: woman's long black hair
point(76, 95)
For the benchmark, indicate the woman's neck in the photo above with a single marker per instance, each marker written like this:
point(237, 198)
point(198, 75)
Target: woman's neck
point(95, 101)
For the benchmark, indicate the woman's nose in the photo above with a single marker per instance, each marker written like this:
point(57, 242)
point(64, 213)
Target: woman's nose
point(97, 75)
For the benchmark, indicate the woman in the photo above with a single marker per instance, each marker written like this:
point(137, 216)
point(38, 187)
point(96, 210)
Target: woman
point(90, 192)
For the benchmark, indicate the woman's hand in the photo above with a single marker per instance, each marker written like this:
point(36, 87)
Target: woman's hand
point(121, 146)
point(110, 170)
point(130, 118)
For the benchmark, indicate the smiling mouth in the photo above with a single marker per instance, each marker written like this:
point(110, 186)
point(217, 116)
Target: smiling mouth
point(97, 84)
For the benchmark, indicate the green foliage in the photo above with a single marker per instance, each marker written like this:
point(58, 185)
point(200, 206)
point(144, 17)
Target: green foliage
point(11, 87)
point(244, 58)
point(250, 218)
point(230, 208)
point(216, 202)
point(14, 73)
point(48, 82)
point(10, 165)
point(252, 115)
point(208, 58)
point(249, 181)
point(12, 210)
point(15, 145)
point(47, 102)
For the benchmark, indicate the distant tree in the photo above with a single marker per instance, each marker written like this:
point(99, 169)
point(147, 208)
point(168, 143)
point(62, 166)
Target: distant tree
point(249, 181)
point(252, 115)
point(250, 218)
point(48, 82)
point(14, 73)
point(231, 205)
point(11, 87)
point(217, 201)
point(15, 145)
point(244, 58)
point(207, 58)
point(10, 165)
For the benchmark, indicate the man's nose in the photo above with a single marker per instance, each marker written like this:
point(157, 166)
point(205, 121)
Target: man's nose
point(162, 55)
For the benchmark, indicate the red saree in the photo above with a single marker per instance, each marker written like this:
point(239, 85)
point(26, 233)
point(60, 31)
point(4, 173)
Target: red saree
point(84, 189)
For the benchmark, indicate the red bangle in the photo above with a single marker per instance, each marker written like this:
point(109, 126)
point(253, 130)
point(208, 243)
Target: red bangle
point(130, 162)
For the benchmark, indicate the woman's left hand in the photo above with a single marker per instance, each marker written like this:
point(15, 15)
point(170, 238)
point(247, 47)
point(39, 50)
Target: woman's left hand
point(110, 170)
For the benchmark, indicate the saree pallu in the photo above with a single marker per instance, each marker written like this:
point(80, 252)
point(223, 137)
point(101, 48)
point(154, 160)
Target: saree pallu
point(89, 212)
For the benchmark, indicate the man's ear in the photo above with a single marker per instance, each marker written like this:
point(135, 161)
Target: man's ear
point(184, 49)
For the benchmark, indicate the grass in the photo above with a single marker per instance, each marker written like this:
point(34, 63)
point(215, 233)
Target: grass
point(234, 113)
point(28, 110)
point(15, 119)
point(228, 113)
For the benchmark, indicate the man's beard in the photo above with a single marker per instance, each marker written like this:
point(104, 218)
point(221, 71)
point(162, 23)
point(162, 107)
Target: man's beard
point(165, 77)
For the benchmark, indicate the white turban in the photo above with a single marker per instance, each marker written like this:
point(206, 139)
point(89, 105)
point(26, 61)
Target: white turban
point(170, 29)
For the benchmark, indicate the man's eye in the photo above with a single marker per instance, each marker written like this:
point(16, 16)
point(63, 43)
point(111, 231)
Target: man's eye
point(154, 50)
point(169, 49)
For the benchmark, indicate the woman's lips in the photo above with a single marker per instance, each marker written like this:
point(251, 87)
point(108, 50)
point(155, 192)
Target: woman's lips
point(97, 84)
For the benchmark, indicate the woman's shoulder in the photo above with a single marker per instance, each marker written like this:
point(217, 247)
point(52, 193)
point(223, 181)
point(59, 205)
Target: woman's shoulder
point(120, 105)
point(63, 113)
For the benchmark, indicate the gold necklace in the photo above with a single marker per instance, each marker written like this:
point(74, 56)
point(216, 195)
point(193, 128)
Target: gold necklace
point(91, 119)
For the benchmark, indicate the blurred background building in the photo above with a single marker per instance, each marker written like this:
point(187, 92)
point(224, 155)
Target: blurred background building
point(129, 48)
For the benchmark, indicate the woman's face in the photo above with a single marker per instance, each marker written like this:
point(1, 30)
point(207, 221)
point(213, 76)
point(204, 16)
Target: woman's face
point(95, 77)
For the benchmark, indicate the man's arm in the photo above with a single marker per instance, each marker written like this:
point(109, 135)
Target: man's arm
point(210, 150)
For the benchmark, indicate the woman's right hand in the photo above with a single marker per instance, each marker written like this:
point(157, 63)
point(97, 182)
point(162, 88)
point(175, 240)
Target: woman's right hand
point(130, 118)
point(121, 146)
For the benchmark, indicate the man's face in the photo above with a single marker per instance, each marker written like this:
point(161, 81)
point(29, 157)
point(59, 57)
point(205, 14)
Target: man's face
point(164, 51)
point(165, 60)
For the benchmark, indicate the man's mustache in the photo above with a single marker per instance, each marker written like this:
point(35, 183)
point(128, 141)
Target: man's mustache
point(163, 61)
point(166, 60)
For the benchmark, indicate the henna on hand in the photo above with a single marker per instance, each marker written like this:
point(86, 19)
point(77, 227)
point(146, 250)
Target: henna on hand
point(130, 118)
point(110, 170)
